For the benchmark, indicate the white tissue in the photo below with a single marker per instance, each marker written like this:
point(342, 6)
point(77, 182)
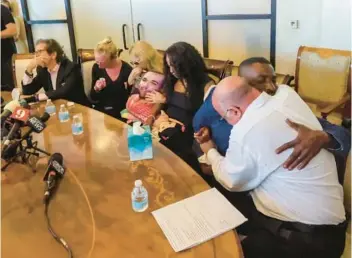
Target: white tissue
point(137, 129)
point(15, 94)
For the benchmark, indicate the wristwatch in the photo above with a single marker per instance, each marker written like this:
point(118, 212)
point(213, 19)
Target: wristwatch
point(29, 74)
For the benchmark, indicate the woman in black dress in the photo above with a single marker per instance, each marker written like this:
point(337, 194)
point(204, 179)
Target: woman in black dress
point(109, 74)
point(186, 80)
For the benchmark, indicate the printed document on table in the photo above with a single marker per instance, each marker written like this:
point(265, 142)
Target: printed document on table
point(197, 219)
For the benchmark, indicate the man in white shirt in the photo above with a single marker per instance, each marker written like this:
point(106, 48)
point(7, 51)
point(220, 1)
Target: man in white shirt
point(296, 213)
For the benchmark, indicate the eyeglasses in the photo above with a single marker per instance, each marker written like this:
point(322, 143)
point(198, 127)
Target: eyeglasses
point(38, 52)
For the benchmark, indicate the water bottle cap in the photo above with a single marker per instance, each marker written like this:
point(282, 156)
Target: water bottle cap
point(138, 183)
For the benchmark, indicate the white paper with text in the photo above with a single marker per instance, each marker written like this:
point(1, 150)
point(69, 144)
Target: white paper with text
point(197, 219)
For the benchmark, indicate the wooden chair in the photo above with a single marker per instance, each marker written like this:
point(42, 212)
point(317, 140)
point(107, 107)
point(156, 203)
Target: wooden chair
point(323, 81)
point(19, 65)
point(217, 69)
point(124, 55)
point(85, 58)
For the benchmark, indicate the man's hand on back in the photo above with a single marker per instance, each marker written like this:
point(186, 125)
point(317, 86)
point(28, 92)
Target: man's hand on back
point(306, 146)
point(203, 135)
point(206, 146)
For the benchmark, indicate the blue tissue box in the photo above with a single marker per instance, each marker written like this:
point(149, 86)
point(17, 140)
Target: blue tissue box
point(140, 146)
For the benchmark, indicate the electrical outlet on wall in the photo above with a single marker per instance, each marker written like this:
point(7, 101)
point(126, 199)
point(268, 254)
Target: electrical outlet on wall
point(294, 24)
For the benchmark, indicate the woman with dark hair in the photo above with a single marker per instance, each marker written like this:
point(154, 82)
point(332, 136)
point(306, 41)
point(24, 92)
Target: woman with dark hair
point(186, 80)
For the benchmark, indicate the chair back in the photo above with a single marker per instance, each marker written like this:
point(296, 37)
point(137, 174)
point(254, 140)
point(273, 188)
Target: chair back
point(125, 56)
point(283, 79)
point(86, 61)
point(322, 75)
point(217, 69)
point(19, 65)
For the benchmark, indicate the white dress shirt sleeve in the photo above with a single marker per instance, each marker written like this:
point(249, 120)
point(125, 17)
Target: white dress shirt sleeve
point(237, 171)
point(26, 79)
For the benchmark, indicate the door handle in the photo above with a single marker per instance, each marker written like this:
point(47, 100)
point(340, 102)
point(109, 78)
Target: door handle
point(138, 31)
point(124, 36)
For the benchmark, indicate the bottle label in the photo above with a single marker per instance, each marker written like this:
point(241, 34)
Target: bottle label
point(64, 116)
point(77, 128)
point(50, 109)
point(139, 205)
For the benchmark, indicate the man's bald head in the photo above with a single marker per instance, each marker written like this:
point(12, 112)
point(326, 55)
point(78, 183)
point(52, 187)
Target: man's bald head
point(232, 96)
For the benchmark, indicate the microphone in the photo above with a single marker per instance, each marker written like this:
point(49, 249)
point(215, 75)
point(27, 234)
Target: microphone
point(53, 174)
point(20, 115)
point(8, 110)
point(36, 125)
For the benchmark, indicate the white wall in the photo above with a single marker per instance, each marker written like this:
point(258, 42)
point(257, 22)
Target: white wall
point(336, 24)
point(322, 23)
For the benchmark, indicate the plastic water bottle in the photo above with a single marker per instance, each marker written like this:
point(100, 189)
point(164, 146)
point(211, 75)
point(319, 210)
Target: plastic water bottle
point(50, 107)
point(64, 115)
point(77, 124)
point(139, 197)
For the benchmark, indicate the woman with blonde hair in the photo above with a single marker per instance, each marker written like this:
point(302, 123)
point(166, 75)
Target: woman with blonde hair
point(109, 76)
point(143, 57)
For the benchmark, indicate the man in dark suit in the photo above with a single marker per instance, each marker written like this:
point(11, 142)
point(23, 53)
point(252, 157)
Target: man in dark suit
point(60, 78)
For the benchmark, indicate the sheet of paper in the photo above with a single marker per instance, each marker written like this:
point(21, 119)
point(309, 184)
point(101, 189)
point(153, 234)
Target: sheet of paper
point(197, 219)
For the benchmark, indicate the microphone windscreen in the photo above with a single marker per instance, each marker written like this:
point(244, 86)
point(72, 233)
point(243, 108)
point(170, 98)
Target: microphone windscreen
point(11, 106)
point(55, 163)
point(57, 157)
point(45, 117)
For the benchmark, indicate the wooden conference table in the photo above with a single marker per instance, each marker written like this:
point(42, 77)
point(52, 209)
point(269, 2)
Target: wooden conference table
point(92, 208)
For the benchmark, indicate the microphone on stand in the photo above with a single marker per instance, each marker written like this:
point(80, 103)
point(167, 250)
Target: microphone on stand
point(54, 173)
point(20, 115)
point(52, 177)
point(36, 125)
point(8, 110)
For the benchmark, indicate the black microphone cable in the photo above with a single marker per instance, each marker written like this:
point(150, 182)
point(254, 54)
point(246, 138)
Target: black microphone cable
point(58, 239)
